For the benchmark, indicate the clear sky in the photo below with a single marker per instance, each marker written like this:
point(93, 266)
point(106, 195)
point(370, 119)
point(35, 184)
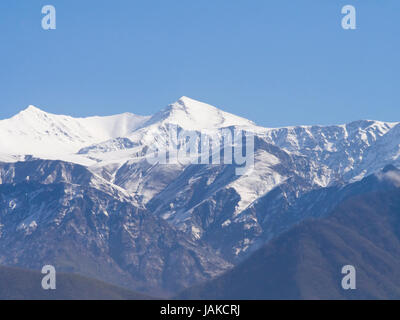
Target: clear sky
point(280, 62)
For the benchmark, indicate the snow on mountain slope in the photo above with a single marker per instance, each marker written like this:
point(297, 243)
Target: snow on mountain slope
point(340, 149)
point(195, 115)
point(234, 214)
point(50, 172)
point(128, 167)
point(322, 156)
point(385, 151)
point(35, 132)
point(265, 177)
point(205, 200)
point(189, 115)
point(210, 203)
point(145, 180)
point(110, 145)
point(114, 147)
point(110, 139)
point(80, 229)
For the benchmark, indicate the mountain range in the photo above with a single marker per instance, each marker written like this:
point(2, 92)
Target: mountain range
point(80, 194)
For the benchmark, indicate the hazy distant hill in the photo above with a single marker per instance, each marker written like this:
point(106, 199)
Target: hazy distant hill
point(20, 284)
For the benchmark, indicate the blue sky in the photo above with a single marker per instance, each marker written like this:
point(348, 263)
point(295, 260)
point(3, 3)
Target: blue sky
point(275, 62)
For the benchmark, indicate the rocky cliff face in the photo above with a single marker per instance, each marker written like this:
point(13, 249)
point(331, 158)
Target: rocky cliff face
point(82, 229)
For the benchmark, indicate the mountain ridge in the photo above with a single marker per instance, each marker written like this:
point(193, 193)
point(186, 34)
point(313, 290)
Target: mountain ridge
point(208, 205)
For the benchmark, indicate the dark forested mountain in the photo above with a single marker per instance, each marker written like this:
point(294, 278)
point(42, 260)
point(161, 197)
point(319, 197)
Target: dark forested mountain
point(21, 284)
point(305, 262)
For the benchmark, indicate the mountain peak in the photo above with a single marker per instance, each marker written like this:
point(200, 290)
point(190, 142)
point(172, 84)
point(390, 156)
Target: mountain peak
point(187, 100)
point(196, 115)
point(32, 108)
point(190, 103)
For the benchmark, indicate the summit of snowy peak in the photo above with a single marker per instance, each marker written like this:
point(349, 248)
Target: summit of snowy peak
point(30, 114)
point(187, 100)
point(32, 109)
point(196, 115)
point(189, 103)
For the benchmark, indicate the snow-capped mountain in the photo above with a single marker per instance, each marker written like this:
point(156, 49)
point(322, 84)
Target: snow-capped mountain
point(210, 203)
point(195, 115)
point(45, 135)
